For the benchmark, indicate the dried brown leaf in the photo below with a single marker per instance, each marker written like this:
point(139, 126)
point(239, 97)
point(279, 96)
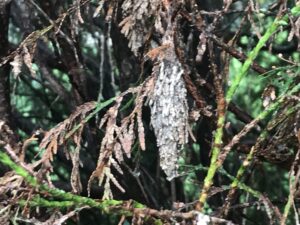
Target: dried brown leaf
point(126, 25)
point(52, 149)
point(27, 57)
point(157, 52)
point(59, 134)
point(115, 164)
point(99, 8)
point(126, 139)
point(107, 191)
point(118, 152)
point(17, 65)
point(75, 175)
point(141, 131)
point(118, 138)
point(134, 26)
point(116, 183)
point(201, 47)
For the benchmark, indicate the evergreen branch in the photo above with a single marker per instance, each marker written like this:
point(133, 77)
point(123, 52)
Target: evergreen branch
point(41, 202)
point(217, 144)
point(253, 54)
point(99, 106)
point(35, 35)
point(254, 122)
point(67, 197)
point(106, 206)
point(239, 184)
point(237, 180)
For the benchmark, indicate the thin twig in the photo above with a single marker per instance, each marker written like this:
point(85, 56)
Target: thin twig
point(217, 144)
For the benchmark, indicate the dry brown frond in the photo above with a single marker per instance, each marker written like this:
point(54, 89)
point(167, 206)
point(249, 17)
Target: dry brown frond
point(58, 137)
point(28, 56)
point(134, 26)
point(24, 55)
point(75, 175)
point(118, 140)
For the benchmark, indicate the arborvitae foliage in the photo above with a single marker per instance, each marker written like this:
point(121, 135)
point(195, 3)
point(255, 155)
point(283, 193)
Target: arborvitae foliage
point(149, 112)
